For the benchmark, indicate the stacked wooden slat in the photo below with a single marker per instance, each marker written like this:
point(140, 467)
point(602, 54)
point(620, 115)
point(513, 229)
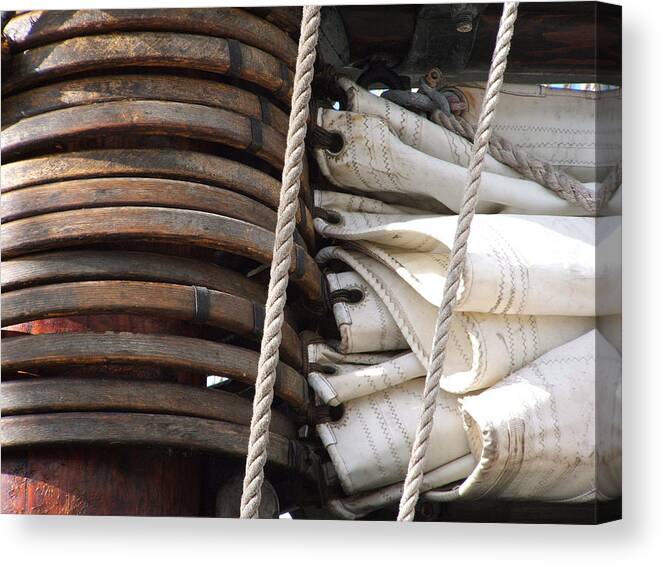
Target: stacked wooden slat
point(142, 151)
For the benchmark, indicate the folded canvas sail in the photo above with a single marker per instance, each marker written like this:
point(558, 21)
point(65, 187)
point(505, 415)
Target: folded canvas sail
point(534, 433)
point(557, 125)
point(517, 414)
point(517, 264)
point(373, 159)
point(483, 348)
point(371, 443)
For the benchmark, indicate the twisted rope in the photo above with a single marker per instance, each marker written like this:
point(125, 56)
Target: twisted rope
point(282, 253)
point(609, 185)
point(525, 163)
point(414, 474)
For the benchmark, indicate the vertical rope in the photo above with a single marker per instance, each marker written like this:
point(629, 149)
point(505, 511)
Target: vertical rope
point(457, 259)
point(282, 252)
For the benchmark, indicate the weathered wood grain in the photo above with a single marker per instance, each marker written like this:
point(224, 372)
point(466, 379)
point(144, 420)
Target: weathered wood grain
point(35, 28)
point(162, 225)
point(171, 431)
point(117, 323)
point(287, 18)
point(148, 50)
point(85, 480)
point(226, 311)
point(73, 266)
point(32, 352)
point(169, 88)
point(154, 163)
point(54, 395)
point(154, 192)
point(141, 118)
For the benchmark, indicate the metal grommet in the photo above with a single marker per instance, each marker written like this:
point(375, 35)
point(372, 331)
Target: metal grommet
point(329, 216)
point(347, 295)
point(328, 369)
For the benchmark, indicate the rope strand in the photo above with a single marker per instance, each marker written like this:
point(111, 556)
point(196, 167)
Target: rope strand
point(414, 474)
point(523, 162)
point(282, 255)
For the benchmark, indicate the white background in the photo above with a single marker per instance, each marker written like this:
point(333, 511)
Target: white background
point(635, 539)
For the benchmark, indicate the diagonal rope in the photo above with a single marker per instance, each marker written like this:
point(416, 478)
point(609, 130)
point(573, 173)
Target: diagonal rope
point(414, 474)
point(524, 162)
point(282, 253)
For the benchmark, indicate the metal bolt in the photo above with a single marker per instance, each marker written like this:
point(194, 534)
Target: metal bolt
point(433, 77)
point(463, 23)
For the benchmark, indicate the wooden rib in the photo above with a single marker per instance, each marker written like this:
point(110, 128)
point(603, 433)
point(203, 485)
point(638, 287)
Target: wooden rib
point(52, 395)
point(74, 266)
point(38, 27)
point(167, 88)
point(171, 431)
point(144, 117)
point(155, 192)
point(227, 311)
point(162, 225)
point(287, 18)
point(54, 350)
point(152, 163)
point(145, 50)
point(78, 266)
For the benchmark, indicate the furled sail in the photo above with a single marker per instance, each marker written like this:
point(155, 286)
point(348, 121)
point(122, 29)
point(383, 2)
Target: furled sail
point(516, 415)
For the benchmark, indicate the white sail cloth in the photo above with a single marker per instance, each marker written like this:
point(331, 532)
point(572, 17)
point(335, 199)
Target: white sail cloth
point(534, 432)
point(556, 125)
point(522, 265)
point(532, 436)
point(517, 416)
point(364, 325)
point(483, 348)
point(373, 159)
point(371, 444)
point(579, 131)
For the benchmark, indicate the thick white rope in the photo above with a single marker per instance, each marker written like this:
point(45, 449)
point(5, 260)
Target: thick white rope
point(282, 252)
point(414, 474)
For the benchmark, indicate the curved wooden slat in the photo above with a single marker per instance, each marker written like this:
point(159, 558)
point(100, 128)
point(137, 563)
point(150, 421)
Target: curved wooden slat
point(152, 163)
point(78, 266)
point(154, 192)
point(167, 88)
point(144, 117)
point(74, 266)
point(29, 353)
point(35, 28)
point(287, 18)
point(171, 431)
point(52, 395)
point(163, 225)
point(149, 49)
point(229, 312)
